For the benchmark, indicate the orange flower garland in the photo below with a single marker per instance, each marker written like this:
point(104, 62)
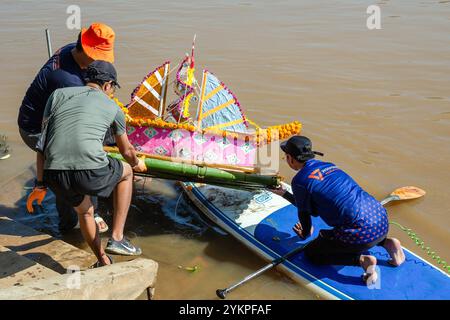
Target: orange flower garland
point(272, 133)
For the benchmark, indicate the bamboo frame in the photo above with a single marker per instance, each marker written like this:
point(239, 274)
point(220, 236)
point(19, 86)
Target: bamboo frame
point(165, 80)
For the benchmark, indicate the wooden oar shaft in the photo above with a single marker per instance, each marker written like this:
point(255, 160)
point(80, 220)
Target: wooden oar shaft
point(197, 163)
point(49, 43)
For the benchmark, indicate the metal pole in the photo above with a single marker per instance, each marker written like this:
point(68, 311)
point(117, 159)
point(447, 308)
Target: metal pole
point(221, 293)
point(49, 43)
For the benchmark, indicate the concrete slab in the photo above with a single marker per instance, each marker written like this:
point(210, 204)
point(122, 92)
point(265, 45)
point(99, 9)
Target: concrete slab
point(125, 280)
point(54, 254)
point(16, 270)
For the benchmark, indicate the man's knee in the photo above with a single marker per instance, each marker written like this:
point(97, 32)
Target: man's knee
point(83, 208)
point(127, 171)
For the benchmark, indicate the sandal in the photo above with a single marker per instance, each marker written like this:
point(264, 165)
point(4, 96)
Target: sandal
point(99, 220)
point(98, 264)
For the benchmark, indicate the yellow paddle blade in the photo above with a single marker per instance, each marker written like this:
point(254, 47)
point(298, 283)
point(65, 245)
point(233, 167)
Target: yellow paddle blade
point(410, 192)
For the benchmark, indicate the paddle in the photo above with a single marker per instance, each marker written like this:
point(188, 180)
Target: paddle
point(403, 193)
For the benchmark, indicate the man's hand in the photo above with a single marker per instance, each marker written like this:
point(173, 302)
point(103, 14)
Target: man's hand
point(281, 190)
point(298, 229)
point(38, 194)
point(140, 167)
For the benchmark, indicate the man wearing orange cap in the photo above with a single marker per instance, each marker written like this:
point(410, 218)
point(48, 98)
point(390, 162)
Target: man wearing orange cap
point(66, 68)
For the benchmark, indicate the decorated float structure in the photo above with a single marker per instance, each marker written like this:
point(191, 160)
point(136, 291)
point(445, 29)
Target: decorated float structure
point(218, 136)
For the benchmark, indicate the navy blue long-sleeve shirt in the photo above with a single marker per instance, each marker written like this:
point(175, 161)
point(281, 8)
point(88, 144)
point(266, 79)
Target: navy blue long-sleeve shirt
point(322, 189)
point(60, 71)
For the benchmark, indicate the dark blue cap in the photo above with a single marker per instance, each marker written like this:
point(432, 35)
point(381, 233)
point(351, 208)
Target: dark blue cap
point(300, 148)
point(101, 70)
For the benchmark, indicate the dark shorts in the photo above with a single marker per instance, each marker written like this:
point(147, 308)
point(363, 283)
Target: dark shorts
point(73, 185)
point(325, 249)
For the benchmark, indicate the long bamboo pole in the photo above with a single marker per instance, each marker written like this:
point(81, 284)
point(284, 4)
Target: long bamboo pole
point(194, 162)
point(188, 172)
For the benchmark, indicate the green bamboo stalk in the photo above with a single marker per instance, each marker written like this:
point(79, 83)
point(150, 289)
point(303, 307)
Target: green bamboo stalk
point(193, 173)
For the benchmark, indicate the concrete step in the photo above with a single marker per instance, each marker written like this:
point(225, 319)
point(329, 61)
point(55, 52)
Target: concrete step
point(124, 280)
point(33, 265)
point(41, 248)
point(16, 270)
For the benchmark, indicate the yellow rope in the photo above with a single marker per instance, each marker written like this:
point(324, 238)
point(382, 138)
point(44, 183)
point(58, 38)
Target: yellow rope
point(253, 123)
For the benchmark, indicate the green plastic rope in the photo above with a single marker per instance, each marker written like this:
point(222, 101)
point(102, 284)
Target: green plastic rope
point(419, 242)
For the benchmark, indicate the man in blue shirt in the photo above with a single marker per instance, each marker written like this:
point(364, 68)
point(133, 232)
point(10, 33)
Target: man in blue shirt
point(359, 221)
point(66, 68)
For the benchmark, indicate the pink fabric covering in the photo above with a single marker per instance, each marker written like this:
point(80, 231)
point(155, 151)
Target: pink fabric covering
point(209, 148)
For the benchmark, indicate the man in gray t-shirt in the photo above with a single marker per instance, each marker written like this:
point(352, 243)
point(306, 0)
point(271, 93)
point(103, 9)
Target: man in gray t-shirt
point(76, 167)
point(81, 117)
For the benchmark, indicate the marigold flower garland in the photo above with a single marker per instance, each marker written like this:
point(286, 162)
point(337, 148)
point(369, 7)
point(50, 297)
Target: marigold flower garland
point(272, 133)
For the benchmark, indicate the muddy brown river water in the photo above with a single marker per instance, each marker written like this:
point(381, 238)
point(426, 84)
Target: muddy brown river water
point(376, 102)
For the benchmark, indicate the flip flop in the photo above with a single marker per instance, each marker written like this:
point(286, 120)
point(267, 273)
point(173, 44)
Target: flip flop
point(98, 265)
point(98, 221)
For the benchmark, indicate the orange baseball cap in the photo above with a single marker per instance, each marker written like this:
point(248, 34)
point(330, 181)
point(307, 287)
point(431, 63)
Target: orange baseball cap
point(98, 42)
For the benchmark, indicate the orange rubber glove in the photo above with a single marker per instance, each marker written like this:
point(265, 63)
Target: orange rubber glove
point(38, 194)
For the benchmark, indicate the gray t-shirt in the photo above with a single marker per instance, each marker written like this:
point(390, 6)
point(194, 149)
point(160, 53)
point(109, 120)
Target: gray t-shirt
point(80, 117)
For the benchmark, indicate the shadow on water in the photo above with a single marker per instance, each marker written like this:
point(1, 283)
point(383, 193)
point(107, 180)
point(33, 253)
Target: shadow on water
point(156, 203)
point(159, 208)
point(162, 206)
point(43, 219)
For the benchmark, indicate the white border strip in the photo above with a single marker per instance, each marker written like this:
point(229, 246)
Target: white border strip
point(153, 91)
point(158, 76)
point(146, 105)
point(163, 91)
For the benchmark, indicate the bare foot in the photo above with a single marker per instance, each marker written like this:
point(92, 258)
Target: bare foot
point(105, 260)
point(394, 248)
point(368, 263)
